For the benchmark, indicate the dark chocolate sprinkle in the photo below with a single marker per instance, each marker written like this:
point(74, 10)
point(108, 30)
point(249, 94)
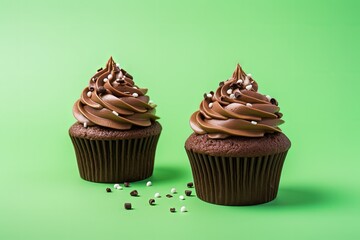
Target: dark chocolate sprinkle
point(108, 189)
point(188, 192)
point(273, 101)
point(212, 93)
point(152, 201)
point(190, 184)
point(91, 89)
point(172, 210)
point(205, 95)
point(100, 69)
point(134, 193)
point(126, 184)
point(221, 84)
point(169, 196)
point(127, 206)
point(101, 90)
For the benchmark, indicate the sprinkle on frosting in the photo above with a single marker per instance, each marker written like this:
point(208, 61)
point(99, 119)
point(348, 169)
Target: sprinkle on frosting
point(114, 102)
point(237, 109)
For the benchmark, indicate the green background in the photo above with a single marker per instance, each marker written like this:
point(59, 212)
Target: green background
point(304, 53)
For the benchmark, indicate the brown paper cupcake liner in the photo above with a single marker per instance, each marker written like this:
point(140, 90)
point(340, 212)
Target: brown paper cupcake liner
point(236, 180)
point(115, 160)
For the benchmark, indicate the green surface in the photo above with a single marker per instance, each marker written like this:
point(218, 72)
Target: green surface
point(303, 53)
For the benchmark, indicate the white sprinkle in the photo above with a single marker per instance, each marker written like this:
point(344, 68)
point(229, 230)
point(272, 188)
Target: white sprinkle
point(135, 87)
point(123, 77)
point(135, 94)
point(151, 102)
point(157, 195)
point(110, 76)
point(85, 124)
point(182, 197)
point(149, 183)
point(118, 65)
point(268, 97)
point(173, 190)
point(119, 188)
point(229, 91)
point(93, 79)
point(232, 96)
point(89, 94)
point(253, 122)
point(210, 105)
point(183, 209)
point(248, 87)
point(118, 79)
point(105, 80)
point(116, 185)
point(239, 81)
point(248, 104)
point(249, 75)
point(115, 113)
point(209, 95)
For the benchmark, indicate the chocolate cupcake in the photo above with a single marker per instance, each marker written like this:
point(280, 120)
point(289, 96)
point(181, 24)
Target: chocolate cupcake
point(116, 133)
point(237, 151)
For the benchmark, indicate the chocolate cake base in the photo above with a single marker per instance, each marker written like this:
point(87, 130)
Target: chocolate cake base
point(109, 156)
point(237, 170)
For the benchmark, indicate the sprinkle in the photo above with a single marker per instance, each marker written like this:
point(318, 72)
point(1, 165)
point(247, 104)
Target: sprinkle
point(239, 81)
point(127, 206)
point(151, 102)
point(173, 190)
point(119, 188)
point(108, 189)
point(268, 97)
point(249, 75)
point(88, 94)
point(188, 192)
point(172, 210)
point(190, 184)
point(118, 65)
point(221, 84)
point(182, 197)
point(135, 87)
point(209, 95)
point(273, 101)
point(183, 209)
point(91, 89)
point(110, 76)
point(152, 201)
point(105, 80)
point(149, 183)
point(169, 195)
point(248, 87)
point(134, 193)
point(100, 69)
point(115, 113)
point(85, 124)
point(116, 185)
point(126, 184)
point(157, 195)
point(229, 91)
point(93, 79)
point(253, 122)
point(210, 105)
point(135, 94)
point(101, 90)
point(232, 96)
point(118, 80)
point(248, 104)
point(123, 77)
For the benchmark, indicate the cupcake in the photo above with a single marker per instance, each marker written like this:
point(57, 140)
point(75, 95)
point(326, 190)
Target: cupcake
point(116, 132)
point(237, 149)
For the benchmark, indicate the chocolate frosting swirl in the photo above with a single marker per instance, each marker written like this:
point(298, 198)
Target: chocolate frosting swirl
point(237, 109)
point(112, 100)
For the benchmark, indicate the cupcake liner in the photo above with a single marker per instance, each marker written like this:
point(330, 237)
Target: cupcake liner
point(236, 180)
point(115, 160)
